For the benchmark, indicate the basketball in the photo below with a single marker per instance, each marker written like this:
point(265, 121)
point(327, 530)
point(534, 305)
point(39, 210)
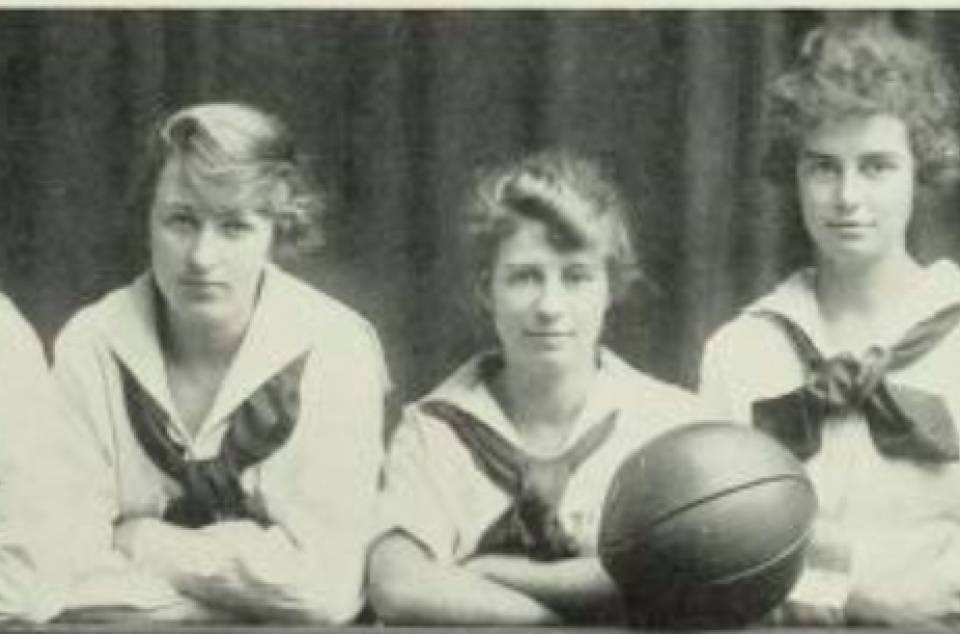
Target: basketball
point(706, 525)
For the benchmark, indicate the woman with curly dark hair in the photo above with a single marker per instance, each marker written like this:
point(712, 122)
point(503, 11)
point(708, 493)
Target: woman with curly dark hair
point(852, 361)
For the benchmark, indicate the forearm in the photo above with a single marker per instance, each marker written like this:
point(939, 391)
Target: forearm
point(455, 596)
point(880, 576)
point(906, 576)
point(237, 566)
point(408, 587)
point(578, 587)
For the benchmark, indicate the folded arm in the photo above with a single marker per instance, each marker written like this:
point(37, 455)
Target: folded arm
point(318, 492)
point(579, 588)
point(234, 565)
point(408, 586)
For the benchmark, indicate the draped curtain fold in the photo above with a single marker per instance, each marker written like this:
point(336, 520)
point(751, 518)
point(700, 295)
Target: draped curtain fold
point(396, 109)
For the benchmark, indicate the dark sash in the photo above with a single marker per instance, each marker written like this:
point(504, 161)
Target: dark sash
point(530, 526)
point(904, 422)
point(211, 487)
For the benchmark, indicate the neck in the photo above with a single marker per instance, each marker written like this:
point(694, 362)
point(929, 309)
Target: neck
point(189, 343)
point(538, 397)
point(864, 288)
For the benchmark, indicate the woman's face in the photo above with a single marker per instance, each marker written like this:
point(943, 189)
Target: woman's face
point(548, 306)
point(856, 181)
point(207, 257)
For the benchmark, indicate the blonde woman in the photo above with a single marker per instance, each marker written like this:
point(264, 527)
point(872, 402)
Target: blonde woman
point(235, 412)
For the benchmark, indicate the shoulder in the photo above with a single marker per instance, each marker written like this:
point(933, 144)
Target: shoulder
point(421, 438)
point(20, 341)
point(462, 389)
point(13, 325)
point(653, 400)
point(317, 315)
point(752, 333)
point(632, 380)
point(747, 331)
point(105, 317)
point(296, 317)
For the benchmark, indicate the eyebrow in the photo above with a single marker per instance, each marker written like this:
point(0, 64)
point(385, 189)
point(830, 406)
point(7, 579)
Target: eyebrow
point(882, 154)
point(585, 264)
point(519, 264)
point(807, 154)
point(812, 156)
point(175, 203)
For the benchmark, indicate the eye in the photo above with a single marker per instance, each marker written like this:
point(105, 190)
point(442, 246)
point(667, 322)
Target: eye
point(180, 219)
point(877, 166)
point(578, 275)
point(819, 167)
point(523, 276)
point(235, 228)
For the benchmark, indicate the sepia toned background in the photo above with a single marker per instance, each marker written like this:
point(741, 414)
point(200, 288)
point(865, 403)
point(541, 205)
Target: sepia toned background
point(396, 110)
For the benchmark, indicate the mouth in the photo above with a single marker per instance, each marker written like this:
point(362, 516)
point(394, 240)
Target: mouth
point(850, 229)
point(842, 225)
point(200, 283)
point(548, 335)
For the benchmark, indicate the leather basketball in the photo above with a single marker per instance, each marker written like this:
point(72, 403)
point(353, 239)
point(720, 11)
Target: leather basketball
point(706, 525)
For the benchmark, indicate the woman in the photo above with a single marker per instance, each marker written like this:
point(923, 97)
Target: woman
point(235, 411)
point(494, 481)
point(35, 490)
point(852, 362)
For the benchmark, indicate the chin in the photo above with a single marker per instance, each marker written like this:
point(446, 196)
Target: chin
point(556, 359)
point(207, 314)
point(853, 253)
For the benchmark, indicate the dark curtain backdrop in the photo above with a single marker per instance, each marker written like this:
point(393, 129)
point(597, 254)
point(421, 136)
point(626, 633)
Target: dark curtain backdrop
point(397, 108)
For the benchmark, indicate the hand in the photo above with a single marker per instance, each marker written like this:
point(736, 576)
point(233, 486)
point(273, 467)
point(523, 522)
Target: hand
point(908, 577)
point(792, 614)
point(128, 533)
point(916, 598)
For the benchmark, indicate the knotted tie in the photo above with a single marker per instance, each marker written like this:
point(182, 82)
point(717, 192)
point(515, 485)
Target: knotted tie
point(530, 526)
point(211, 487)
point(904, 422)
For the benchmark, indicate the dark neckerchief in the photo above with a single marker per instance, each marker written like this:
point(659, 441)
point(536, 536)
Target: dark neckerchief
point(904, 422)
point(530, 526)
point(211, 487)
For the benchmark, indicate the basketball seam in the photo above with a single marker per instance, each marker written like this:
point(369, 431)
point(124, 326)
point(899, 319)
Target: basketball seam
point(787, 552)
point(722, 493)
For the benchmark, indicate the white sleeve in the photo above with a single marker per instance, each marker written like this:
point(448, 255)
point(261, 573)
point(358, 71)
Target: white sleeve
point(411, 500)
point(32, 568)
point(99, 576)
point(719, 374)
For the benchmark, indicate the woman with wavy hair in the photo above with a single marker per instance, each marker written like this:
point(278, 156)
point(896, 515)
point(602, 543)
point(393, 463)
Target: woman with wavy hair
point(234, 413)
point(852, 362)
point(495, 480)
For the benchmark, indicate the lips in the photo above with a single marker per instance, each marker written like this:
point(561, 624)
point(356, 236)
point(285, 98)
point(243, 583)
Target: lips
point(548, 339)
point(200, 287)
point(200, 282)
point(852, 229)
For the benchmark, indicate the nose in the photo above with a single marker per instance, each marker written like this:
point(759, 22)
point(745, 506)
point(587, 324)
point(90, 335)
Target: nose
point(849, 191)
point(204, 250)
point(551, 299)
